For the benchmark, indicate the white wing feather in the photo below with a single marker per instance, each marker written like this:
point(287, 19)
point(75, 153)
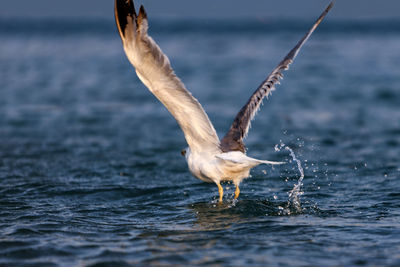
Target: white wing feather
point(154, 70)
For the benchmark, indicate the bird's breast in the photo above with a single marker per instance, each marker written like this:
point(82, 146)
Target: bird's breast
point(209, 168)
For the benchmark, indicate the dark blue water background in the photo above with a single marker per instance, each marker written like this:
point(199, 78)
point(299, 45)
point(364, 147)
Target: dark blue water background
point(90, 164)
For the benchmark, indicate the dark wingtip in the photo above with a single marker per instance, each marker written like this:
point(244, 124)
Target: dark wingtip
point(142, 12)
point(123, 10)
point(142, 15)
point(329, 7)
point(332, 3)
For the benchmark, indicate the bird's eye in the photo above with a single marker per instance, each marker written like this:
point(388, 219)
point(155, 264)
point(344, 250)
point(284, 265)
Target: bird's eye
point(183, 152)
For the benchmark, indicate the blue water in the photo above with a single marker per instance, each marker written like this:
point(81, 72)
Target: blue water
point(90, 166)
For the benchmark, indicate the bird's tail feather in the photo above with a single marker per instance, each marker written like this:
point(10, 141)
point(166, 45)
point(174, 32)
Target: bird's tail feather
point(240, 158)
point(271, 162)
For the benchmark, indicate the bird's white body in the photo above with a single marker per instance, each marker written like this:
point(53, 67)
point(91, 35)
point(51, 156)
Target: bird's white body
point(208, 158)
point(216, 166)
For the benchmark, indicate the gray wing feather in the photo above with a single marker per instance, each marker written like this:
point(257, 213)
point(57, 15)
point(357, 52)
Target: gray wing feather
point(233, 140)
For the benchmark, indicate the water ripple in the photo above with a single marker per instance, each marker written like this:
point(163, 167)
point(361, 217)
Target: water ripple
point(90, 169)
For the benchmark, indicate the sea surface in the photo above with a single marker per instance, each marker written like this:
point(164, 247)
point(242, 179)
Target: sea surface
point(90, 167)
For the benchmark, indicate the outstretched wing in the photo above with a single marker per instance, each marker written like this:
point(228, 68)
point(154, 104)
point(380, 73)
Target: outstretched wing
point(233, 140)
point(154, 70)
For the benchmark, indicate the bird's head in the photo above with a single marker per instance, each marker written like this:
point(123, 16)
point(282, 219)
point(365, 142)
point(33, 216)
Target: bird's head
point(185, 152)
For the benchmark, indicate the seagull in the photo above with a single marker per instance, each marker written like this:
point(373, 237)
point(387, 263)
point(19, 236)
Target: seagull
point(209, 159)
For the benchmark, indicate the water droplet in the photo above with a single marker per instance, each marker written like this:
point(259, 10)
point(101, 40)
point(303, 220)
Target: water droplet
point(296, 191)
point(276, 148)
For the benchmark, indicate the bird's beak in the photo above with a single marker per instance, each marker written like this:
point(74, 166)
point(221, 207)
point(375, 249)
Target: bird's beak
point(183, 152)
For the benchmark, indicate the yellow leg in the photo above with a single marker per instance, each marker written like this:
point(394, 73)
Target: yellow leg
point(237, 192)
point(221, 192)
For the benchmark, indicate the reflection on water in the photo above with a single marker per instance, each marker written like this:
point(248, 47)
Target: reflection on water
point(215, 216)
point(211, 216)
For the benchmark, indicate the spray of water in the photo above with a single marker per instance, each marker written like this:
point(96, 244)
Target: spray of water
point(295, 193)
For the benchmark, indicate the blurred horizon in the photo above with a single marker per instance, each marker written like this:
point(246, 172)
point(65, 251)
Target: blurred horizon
point(206, 9)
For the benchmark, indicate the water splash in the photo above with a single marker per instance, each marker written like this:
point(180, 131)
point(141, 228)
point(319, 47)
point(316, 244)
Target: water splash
point(295, 193)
